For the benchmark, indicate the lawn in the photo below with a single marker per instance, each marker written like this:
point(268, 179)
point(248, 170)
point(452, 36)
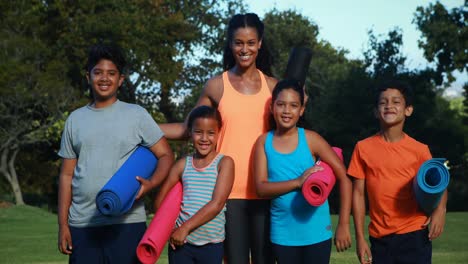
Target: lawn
point(29, 235)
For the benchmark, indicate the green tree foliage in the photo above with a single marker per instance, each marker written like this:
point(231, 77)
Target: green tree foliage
point(333, 82)
point(445, 37)
point(34, 89)
point(44, 47)
point(342, 94)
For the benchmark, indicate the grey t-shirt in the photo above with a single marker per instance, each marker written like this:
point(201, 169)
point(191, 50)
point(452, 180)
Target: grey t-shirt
point(101, 139)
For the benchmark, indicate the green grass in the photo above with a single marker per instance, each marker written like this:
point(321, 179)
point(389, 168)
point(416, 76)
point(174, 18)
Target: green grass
point(29, 235)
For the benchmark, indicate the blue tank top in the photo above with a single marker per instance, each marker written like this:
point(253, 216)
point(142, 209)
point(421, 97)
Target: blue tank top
point(293, 221)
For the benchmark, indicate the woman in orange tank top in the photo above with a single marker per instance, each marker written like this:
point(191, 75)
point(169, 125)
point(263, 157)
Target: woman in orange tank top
point(242, 94)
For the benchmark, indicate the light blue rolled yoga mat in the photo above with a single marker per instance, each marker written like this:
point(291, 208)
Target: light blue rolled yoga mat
point(118, 195)
point(430, 183)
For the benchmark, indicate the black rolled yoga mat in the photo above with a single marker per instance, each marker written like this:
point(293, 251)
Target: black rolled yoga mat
point(298, 64)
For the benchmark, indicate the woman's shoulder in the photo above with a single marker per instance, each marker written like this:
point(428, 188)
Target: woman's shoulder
point(214, 88)
point(271, 81)
point(215, 80)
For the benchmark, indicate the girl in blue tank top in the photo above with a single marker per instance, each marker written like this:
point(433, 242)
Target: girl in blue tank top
point(284, 158)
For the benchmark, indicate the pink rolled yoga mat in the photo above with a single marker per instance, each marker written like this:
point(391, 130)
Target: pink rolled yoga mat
point(319, 184)
point(152, 244)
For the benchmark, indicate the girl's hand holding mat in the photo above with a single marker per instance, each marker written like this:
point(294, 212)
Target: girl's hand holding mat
point(306, 174)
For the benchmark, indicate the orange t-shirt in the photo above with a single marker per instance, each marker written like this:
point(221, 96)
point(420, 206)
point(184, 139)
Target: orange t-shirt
point(389, 169)
point(245, 118)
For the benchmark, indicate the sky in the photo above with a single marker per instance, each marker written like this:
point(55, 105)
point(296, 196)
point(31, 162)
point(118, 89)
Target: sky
point(345, 24)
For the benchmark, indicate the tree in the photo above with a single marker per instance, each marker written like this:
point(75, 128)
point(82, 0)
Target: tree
point(34, 90)
point(444, 38)
point(384, 58)
point(44, 47)
point(333, 82)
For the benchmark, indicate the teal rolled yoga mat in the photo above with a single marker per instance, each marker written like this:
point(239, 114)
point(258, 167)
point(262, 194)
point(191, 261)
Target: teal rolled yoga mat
point(118, 195)
point(430, 183)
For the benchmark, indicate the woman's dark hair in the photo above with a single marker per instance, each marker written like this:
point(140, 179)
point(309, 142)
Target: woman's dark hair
point(204, 111)
point(106, 51)
point(284, 84)
point(404, 88)
point(263, 61)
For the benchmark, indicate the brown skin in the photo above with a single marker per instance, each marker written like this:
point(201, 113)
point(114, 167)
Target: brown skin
point(392, 112)
point(321, 148)
point(207, 212)
point(204, 135)
point(286, 109)
point(105, 81)
point(64, 196)
point(244, 77)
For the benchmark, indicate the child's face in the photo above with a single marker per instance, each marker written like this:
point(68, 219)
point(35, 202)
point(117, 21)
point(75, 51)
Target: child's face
point(245, 45)
point(204, 135)
point(105, 79)
point(391, 107)
point(287, 109)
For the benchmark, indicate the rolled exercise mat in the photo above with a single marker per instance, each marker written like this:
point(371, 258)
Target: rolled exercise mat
point(152, 244)
point(298, 64)
point(118, 195)
point(430, 183)
point(319, 184)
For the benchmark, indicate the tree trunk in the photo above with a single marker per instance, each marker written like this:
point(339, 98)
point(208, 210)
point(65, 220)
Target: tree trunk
point(7, 168)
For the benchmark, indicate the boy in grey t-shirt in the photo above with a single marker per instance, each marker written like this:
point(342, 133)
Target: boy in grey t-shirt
point(97, 139)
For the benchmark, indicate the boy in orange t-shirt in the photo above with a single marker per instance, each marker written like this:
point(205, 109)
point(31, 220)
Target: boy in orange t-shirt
point(384, 166)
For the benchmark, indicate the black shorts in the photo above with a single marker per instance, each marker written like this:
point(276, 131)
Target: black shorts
point(106, 244)
point(414, 247)
point(191, 254)
point(318, 253)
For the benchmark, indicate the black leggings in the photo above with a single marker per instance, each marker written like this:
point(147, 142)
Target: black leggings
point(248, 231)
point(317, 253)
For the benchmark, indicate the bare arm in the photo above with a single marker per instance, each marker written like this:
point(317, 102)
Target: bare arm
point(272, 189)
point(174, 176)
point(322, 149)
point(437, 219)
point(359, 213)
point(210, 96)
point(165, 157)
point(64, 202)
point(210, 210)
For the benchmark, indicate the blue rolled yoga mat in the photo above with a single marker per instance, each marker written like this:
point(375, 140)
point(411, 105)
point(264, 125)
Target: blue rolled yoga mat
point(118, 195)
point(430, 183)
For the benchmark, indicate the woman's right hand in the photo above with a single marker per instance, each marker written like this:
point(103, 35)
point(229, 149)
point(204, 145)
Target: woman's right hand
point(65, 240)
point(301, 179)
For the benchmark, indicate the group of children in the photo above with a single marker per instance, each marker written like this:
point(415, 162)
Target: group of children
point(98, 138)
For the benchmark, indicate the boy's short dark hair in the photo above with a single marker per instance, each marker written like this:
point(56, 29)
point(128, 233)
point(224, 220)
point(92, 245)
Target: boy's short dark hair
point(110, 52)
point(204, 111)
point(404, 88)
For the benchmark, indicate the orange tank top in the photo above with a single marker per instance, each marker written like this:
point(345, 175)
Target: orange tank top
point(245, 118)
